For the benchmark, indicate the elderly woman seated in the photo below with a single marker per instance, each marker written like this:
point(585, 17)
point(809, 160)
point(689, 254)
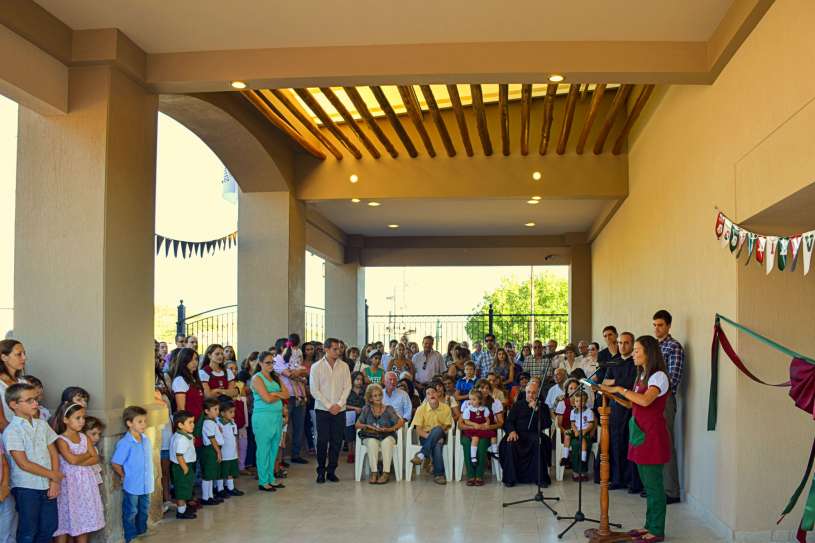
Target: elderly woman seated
point(377, 425)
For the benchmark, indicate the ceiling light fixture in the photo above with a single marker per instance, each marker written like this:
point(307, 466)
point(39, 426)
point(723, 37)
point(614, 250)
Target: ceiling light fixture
point(536, 176)
point(355, 200)
point(556, 78)
point(536, 197)
point(533, 202)
point(238, 85)
point(529, 224)
point(374, 204)
point(393, 226)
point(354, 178)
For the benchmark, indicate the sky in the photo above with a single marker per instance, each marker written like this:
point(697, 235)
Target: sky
point(190, 206)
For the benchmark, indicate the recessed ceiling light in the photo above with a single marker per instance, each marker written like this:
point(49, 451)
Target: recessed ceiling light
point(536, 176)
point(238, 85)
point(556, 78)
point(529, 224)
point(533, 202)
point(536, 197)
point(393, 226)
point(354, 178)
point(374, 204)
point(355, 200)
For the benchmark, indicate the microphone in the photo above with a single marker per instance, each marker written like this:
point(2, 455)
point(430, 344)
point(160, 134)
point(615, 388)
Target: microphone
point(614, 362)
point(554, 354)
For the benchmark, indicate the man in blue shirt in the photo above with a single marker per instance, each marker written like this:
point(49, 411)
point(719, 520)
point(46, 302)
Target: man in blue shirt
point(397, 398)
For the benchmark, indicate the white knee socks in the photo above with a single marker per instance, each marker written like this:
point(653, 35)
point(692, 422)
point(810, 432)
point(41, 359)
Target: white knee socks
point(230, 484)
point(206, 490)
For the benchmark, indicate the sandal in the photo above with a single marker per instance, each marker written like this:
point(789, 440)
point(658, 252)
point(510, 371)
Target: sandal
point(374, 480)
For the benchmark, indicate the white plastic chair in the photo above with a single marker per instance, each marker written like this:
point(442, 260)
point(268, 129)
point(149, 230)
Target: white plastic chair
point(557, 437)
point(362, 461)
point(413, 445)
point(461, 457)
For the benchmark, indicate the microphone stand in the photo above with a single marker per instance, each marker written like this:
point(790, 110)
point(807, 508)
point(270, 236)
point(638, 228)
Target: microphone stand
point(538, 497)
point(579, 516)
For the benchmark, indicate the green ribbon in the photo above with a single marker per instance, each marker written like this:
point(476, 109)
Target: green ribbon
point(766, 341)
point(808, 520)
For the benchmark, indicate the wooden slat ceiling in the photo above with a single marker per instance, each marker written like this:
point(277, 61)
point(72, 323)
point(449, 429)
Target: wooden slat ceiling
point(346, 121)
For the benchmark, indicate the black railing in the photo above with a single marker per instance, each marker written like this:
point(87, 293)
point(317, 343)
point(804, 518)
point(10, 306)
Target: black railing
point(315, 324)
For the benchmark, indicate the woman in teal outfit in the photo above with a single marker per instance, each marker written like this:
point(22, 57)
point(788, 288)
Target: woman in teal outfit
point(267, 419)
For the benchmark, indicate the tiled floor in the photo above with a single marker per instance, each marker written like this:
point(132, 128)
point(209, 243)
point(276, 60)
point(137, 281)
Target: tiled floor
point(419, 511)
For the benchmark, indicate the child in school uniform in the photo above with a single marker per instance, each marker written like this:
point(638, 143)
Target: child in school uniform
point(34, 461)
point(183, 458)
point(225, 486)
point(132, 461)
point(210, 452)
point(579, 438)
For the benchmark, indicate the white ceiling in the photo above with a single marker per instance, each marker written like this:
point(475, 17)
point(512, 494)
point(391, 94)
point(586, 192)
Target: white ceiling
point(461, 217)
point(185, 25)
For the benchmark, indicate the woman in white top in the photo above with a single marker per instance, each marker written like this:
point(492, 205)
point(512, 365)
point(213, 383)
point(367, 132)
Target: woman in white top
point(12, 366)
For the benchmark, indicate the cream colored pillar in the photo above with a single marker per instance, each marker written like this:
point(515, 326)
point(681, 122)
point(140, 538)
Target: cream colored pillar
point(580, 293)
point(271, 268)
point(83, 272)
point(345, 302)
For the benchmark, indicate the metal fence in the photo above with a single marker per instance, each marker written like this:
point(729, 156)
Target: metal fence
point(315, 324)
point(518, 328)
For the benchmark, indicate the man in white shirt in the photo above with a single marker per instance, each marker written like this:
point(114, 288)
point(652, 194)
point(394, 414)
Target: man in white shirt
point(557, 389)
point(396, 397)
point(330, 384)
point(551, 348)
point(428, 364)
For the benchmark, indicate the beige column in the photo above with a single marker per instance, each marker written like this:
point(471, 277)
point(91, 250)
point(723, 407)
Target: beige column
point(271, 268)
point(580, 293)
point(85, 219)
point(345, 302)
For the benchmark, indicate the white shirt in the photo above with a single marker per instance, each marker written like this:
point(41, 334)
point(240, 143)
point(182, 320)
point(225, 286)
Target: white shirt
point(181, 444)
point(229, 448)
point(582, 419)
point(552, 395)
point(660, 380)
point(329, 385)
point(497, 407)
point(204, 376)
point(179, 385)
point(210, 429)
point(467, 411)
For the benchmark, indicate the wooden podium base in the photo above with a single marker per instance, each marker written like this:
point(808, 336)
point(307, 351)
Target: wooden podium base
point(594, 536)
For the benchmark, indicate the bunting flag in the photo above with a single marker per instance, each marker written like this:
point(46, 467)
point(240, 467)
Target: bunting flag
point(802, 392)
point(771, 252)
point(192, 248)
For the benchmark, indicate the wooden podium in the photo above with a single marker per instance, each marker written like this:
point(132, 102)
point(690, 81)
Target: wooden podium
point(603, 534)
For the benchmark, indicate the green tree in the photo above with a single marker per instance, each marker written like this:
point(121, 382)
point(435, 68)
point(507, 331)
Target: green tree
point(164, 317)
point(511, 304)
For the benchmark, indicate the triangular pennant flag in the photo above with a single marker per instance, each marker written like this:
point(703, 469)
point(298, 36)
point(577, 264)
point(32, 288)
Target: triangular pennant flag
point(771, 253)
point(210, 247)
point(200, 249)
point(184, 249)
point(734, 237)
point(783, 249)
point(719, 225)
point(808, 244)
point(159, 241)
point(728, 227)
point(795, 246)
point(166, 247)
point(751, 246)
point(175, 248)
point(742, 238)
point(220, 244)
point(761, 246)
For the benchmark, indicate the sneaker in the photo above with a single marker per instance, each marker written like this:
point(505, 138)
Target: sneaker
point(416, 460)
point(440, 480)
point(299, 460)
point(186, 515)
point(235, 492)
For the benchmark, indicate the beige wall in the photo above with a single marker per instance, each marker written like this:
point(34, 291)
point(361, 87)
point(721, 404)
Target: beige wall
point(659, 251)
point(345, 302)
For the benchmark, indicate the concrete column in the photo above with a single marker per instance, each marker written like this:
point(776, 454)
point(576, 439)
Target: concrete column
point(580, 293)
point(345, 302)
point(84, 253)
point(271, 268)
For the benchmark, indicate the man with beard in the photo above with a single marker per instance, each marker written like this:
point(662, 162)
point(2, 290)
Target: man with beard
point(521, 459)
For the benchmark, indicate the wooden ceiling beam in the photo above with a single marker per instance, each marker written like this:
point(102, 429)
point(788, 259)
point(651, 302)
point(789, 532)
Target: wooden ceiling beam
point(639, 105)
point(571, 102)
point(503, 107)
point(289, 103)
point(548, 116)
point(435, 113)
point(350, 121)
point(616, 105)
point(461, 120)
point(591, 116)
point(394, 120)
point(481, 118)
point(315, 107)
point(415, 113)
point(362, 109)
point(274, 116)
point(526, 104)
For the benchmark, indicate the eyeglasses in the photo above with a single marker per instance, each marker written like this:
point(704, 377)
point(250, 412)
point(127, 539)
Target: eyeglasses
point(28, 401)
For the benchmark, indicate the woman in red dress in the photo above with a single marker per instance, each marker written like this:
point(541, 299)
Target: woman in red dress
point(649, 442)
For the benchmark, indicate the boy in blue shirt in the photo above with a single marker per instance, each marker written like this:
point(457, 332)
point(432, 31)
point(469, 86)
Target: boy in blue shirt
point(466, 383)
point(133, 463)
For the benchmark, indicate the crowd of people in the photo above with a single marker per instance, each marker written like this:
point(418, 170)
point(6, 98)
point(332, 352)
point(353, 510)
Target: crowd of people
point(278, 407)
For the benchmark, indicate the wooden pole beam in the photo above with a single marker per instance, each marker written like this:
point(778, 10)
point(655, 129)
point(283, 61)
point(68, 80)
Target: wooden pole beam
point(591, 116)
point(571, 102)
point(526, 103)
point(548, 116)
point(277, 119)
point(415, 114)
point(503, 106)
point(619, 102)
point(314, 106)
point(481, 118)
point(461, 120)
point(394, 120)
point(289, 103)
point(362, 109)
point(427, 92)
point(642, 99)
point(350, 121)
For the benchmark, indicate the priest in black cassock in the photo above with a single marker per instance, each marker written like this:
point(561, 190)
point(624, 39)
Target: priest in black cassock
point(519, 449)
